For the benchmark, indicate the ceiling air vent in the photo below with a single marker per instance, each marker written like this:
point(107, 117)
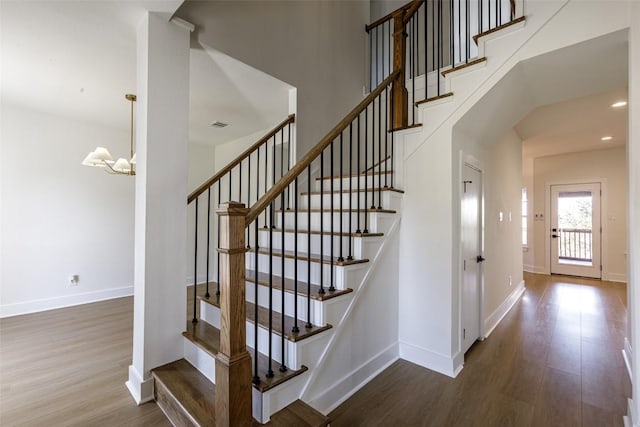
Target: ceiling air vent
point(219, 125)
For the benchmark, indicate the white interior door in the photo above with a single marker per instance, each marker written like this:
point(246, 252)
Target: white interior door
point(471, 208)
point(576, 230)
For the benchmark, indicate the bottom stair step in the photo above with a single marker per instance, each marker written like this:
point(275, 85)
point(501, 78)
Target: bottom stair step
point(184, 394)
point(298, 414)
point(207, 337)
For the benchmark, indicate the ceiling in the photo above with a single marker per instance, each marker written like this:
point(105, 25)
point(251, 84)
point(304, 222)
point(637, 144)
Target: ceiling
point(558, 102)
point(77, 59)
point(575, 125)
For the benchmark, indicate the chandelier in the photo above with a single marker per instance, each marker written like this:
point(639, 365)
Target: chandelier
point(101, 158)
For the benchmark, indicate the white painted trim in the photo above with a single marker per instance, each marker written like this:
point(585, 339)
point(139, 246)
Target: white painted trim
point(184, 24)
point(629, 419)
point(34, 306)
point(627, 354)
point(496, 317)
point(141, 390)
point(393, 229)
point(360, 376)
point(614, 277)
point(429, 359)
point(529, 268)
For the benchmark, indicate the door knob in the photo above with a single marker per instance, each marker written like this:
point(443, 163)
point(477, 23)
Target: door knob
point(554, 236)
point(479, 258)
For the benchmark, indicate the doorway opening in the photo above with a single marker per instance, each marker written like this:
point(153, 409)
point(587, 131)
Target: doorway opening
point(576, 230)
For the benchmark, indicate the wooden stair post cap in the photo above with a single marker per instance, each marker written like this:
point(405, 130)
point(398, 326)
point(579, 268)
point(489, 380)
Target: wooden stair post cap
point(232, 209)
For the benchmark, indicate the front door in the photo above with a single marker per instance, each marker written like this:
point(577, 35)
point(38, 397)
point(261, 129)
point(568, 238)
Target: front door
point(471, 209)
point(575, 230)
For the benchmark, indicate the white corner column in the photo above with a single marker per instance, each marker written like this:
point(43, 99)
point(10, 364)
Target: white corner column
point(162, 137)
point(633, 260)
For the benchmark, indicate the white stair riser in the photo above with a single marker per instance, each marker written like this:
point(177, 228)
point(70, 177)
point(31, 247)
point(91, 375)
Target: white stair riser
point(303, 270)
point(371, 180)
point(317, 312)
point(303, 241)
point(209, 312)
point(387, 202)
point(200, 359)
point(371, 224)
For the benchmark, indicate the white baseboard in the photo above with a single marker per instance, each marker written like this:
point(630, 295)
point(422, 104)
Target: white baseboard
point(630, 419)
point(494, 318)
point(615, 277)
point(626, 355)
point(447, 365)
point(34, 306)
point(529, 268)
point(334, 396)
point(140, 389)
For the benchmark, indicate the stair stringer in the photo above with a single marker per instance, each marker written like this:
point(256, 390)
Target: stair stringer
point(429, 214)
point(345, 365)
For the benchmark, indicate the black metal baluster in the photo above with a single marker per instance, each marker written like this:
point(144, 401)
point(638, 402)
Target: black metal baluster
point(440, 44)
point(308, 325)
point(366, 144)
point(266, 174)
point(468, 33)
point(195, 269)
point(283, 367)
point(386, 133)
point(358, 230)
point(451, 36)
point(249, 193)
point(230, 174)
point(256, 376)
point(295, 328)
point(240, 183)
point(459, 32)
point(331, 218)
point(218, 241)
point(377, 61)
point(206, 295)
point(340, 257)
point(270, 369)
point(273, 173)
point(373, 157)
point(350, 231)
point(321, 291)
point(371, 60)
point(392, 137)
point(379, 152)
point(412, 73)
point(289, 166)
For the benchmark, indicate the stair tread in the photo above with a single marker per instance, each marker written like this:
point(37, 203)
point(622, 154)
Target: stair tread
point(413, 126)
point(434, 98)
point(325, 233)
point(299, 414)
point(463, 66)
point(325, 259)
point(263, 321)
point(204, 335)
point(355, 190)
point(498, 28)
point(210, 342)
point(355, 175)
point(289, 285)
point(192, 390)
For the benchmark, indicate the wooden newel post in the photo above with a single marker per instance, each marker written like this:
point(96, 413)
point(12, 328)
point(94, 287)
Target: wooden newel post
point(233, 362)
point(400, 98)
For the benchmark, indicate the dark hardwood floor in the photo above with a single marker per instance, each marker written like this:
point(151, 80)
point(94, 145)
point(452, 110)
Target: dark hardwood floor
point(555, 360)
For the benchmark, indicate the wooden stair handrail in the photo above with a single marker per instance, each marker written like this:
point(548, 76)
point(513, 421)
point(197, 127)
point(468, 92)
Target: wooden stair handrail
point(312, 154)
point(215, 178)
point(386, 17)
point(412, 10)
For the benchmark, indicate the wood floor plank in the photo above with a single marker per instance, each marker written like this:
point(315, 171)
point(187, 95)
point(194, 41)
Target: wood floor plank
point(553, 361)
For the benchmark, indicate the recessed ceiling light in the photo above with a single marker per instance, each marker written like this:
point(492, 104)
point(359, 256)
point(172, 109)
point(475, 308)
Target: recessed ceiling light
point(606, 138)
point(619, 104)
point(217, 124)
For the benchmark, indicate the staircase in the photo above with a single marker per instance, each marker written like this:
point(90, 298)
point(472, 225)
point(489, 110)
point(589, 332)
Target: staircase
point(300, 252)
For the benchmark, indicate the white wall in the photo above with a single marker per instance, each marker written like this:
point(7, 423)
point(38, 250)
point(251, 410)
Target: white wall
point(316, 46)
point(501, 163)
point(59, 217)
point(606, 166)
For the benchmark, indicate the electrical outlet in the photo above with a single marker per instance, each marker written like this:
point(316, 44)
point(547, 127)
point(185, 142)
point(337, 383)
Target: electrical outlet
point(73, 280)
